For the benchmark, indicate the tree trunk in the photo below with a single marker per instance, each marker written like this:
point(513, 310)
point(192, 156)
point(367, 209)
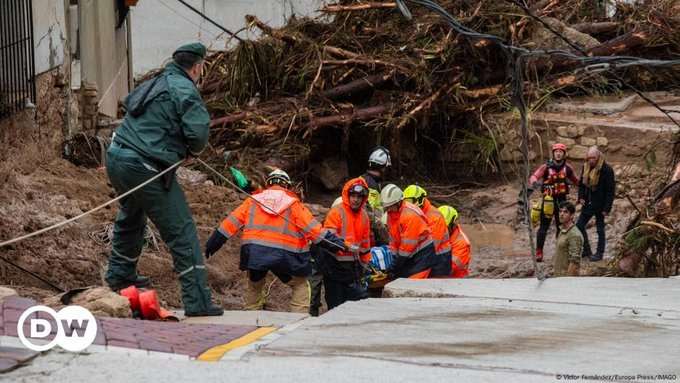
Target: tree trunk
point(595, 28)
point(357, 86)
point(620, 44)
point(348, 117)
point(333, 8)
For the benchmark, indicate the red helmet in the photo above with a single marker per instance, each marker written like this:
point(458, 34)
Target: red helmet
point(560, 146)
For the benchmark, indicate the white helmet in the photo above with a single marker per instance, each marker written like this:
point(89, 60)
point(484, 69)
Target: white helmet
point(390, 195)
point(279, 177)
point(337, 202)
point(380, 156)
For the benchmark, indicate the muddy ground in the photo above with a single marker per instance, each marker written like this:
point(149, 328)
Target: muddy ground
point(38, 189)
point(76, 255)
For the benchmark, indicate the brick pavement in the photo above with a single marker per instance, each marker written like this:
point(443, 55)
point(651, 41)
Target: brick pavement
point(169, 337)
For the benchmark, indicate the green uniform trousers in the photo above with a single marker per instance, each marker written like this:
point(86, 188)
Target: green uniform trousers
point(169, 212)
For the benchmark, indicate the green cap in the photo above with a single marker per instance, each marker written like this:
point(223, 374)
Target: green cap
point(196, 48)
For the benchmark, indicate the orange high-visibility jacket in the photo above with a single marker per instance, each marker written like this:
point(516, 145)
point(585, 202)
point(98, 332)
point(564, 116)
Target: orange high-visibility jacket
point(438, 228)
point(460, 257)
point(409, 231)
point(286, 224)
point(354, 227)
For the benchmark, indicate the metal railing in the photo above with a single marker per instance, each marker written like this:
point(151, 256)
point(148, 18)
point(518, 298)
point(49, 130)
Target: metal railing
point(17, 62)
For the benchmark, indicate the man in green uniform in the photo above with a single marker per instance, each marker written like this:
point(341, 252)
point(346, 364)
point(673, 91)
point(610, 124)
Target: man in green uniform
point(166, 121)
point(567, 257)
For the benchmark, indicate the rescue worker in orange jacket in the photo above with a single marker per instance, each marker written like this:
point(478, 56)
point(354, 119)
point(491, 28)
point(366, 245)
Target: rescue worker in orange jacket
point(343, 269)
point(277, 231)
point(440, 233)
point(410, 238)
point(460, 244)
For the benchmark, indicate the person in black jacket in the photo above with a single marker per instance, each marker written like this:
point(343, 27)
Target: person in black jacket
point(596, 196)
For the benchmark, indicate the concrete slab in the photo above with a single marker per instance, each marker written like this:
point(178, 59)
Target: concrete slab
point(659, 294)
point(247, 318)
point(598, 105)
point(511, 331)
point(530, 339)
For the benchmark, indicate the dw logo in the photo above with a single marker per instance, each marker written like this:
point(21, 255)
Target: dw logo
point(76, 328)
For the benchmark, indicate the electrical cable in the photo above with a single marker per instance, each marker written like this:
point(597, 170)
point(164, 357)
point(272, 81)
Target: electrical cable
point(516, 57)
point(213, 22)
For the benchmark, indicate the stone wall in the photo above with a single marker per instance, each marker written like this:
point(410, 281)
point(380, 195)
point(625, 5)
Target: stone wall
point(578, 141)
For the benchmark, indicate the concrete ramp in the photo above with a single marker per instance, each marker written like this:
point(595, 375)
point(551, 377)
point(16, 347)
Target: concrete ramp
point(655, 294)
point(515, 330)
point(573, 329)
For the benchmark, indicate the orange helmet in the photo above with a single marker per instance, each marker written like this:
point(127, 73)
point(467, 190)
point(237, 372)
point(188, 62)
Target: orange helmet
point(560, 146)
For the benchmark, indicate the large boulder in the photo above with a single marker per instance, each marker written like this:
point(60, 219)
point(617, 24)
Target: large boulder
point(332, 172)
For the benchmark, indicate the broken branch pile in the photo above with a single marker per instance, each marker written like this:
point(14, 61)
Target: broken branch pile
point(363, 74)
point(651, 246)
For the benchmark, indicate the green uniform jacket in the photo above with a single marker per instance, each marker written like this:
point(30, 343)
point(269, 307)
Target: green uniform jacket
point(173, 120)
point(568, 250)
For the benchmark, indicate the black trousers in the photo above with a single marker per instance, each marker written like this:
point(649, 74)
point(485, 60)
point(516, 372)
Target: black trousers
point(338, 293)
point(315, 284)
point(545, 223)
point(587, 213)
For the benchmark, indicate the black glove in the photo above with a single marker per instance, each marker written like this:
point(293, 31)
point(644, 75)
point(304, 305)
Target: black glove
point(332, 242)
point(397, 265)
point(214, 243)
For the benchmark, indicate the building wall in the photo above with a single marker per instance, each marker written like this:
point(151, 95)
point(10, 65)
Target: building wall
point(159, 26)
point(49, 34)
point(103, 53)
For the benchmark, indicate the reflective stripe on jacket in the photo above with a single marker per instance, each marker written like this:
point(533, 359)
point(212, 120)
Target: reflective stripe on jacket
point(284, 224)
point(460, 257)
point(409, 231)
point(438, 229)
point(353, 226)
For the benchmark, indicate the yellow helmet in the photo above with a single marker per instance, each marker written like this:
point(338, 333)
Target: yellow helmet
point(450, 214)
point(415, 193)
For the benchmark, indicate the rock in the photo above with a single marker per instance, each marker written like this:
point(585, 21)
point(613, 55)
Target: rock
point(506, 154)
point(587, 141)
point(567, 141)
point(602, 142)
point(101, 301)
point(629, 264)
point(513, 155)
point(572, 131)
point(318, 211)
point(578, 152)
point(190, 177)
point(613, 148)
point(6, 292)
point(332, 173)
point(581, 130)
point(561, 131)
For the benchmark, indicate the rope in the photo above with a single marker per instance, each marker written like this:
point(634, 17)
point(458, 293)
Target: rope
point(60, 224)
point(66, 222)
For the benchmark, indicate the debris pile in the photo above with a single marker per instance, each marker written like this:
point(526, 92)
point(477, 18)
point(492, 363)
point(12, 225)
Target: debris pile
point(651, 246)
point(364, 74)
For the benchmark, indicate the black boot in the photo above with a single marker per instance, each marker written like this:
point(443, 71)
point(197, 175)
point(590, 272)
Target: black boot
point(138, 281)
point(596, 257)
point(212, 311)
